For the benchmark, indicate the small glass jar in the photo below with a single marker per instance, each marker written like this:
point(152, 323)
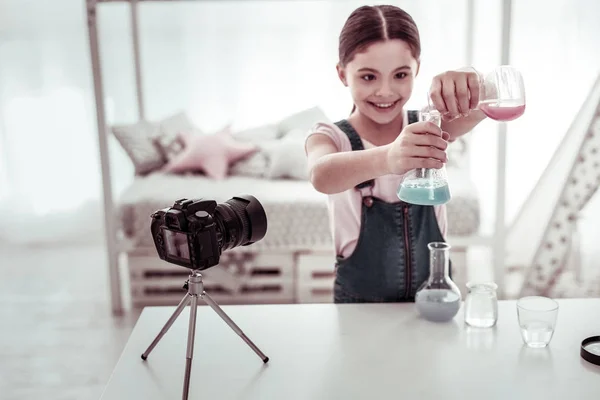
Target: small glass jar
point(481, 304)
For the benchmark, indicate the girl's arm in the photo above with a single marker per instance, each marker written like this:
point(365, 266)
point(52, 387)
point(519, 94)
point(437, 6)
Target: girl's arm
point(333, 172)
point(420, 145)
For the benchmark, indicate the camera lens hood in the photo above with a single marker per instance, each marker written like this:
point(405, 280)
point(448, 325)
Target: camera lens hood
point(257, 216)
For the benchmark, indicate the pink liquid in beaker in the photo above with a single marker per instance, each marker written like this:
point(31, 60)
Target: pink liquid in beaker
point(502, 112)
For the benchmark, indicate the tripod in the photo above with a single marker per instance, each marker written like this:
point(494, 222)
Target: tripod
point(195, 288)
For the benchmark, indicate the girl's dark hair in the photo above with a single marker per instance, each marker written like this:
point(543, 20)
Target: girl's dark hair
point(369, 24)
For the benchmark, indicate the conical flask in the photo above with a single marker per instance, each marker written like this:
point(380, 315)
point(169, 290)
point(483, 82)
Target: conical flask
point(426, 186)
point(438, 299)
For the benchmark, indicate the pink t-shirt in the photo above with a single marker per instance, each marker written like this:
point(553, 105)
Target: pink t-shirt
point(345, 208)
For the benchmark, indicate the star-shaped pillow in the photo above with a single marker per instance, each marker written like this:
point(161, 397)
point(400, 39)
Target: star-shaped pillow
point(211, 154)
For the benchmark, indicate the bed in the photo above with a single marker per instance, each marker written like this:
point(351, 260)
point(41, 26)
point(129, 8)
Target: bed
point(297, 214)
point(293, 263)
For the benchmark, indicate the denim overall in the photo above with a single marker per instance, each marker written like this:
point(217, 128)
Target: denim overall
point(391, 258)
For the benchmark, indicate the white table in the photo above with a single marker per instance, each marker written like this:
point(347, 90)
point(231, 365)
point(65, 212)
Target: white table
point(366, 351)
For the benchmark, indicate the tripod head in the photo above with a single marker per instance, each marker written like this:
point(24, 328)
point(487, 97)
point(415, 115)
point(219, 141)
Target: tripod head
point(194, 284)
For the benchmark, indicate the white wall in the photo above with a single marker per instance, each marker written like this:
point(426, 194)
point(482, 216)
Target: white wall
point(242, 62)
point(259, 62)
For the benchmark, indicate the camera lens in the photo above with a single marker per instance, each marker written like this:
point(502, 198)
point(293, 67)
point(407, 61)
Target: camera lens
point(242, 221)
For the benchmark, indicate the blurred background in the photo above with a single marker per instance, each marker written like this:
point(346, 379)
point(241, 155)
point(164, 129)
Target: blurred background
point(245, 64)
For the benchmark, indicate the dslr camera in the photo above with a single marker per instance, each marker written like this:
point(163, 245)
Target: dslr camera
point(194, 233)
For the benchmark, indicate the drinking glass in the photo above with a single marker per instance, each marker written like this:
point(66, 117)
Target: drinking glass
point(481, 304)
point(502, 94)
point(537, 320)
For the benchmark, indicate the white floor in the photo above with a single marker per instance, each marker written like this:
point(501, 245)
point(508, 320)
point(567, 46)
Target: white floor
point(58, 338)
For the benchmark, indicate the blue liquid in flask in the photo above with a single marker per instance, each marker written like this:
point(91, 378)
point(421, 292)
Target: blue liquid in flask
point(426, 186)
point(424, 192)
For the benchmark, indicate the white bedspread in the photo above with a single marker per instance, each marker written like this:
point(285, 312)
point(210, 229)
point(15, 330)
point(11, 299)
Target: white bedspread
point(296, 213)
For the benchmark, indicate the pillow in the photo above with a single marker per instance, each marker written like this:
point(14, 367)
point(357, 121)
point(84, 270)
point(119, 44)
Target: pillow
point(168, 146)
point(136, 140)
point(258, 134)
point(287, 158)
point(303, 120)
point(211, 154)
point(168, 142)
point(149, 144)
point(257, 164)
point(173, 125)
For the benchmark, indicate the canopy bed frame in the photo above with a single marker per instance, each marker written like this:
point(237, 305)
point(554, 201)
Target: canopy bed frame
point(496, 241)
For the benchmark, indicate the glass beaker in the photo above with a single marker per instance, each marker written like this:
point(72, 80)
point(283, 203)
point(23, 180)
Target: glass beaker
point(502, 94)
point(438, 299)
point(426, 186)
point(481, 304)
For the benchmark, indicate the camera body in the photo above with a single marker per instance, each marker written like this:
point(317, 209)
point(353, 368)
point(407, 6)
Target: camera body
point(194, 233)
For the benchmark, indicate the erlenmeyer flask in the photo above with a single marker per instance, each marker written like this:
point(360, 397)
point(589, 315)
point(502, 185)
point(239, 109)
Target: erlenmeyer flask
point(426, 186)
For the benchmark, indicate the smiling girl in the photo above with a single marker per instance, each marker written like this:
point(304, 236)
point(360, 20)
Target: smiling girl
point(381, 242)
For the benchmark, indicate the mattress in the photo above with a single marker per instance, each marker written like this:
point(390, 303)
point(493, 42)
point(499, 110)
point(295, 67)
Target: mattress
point(296, 213)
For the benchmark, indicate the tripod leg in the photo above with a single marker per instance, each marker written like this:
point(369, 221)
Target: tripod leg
point(233, 326)
point(164, 330)
point(190, 347)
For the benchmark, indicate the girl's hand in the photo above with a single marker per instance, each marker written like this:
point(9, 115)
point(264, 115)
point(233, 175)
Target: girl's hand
point(419, 145)
point(455, 93)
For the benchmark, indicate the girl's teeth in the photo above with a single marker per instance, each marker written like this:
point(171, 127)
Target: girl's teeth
point(384, 105)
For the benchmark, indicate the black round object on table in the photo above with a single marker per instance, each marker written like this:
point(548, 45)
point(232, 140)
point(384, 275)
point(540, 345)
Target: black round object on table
point(590, 350)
